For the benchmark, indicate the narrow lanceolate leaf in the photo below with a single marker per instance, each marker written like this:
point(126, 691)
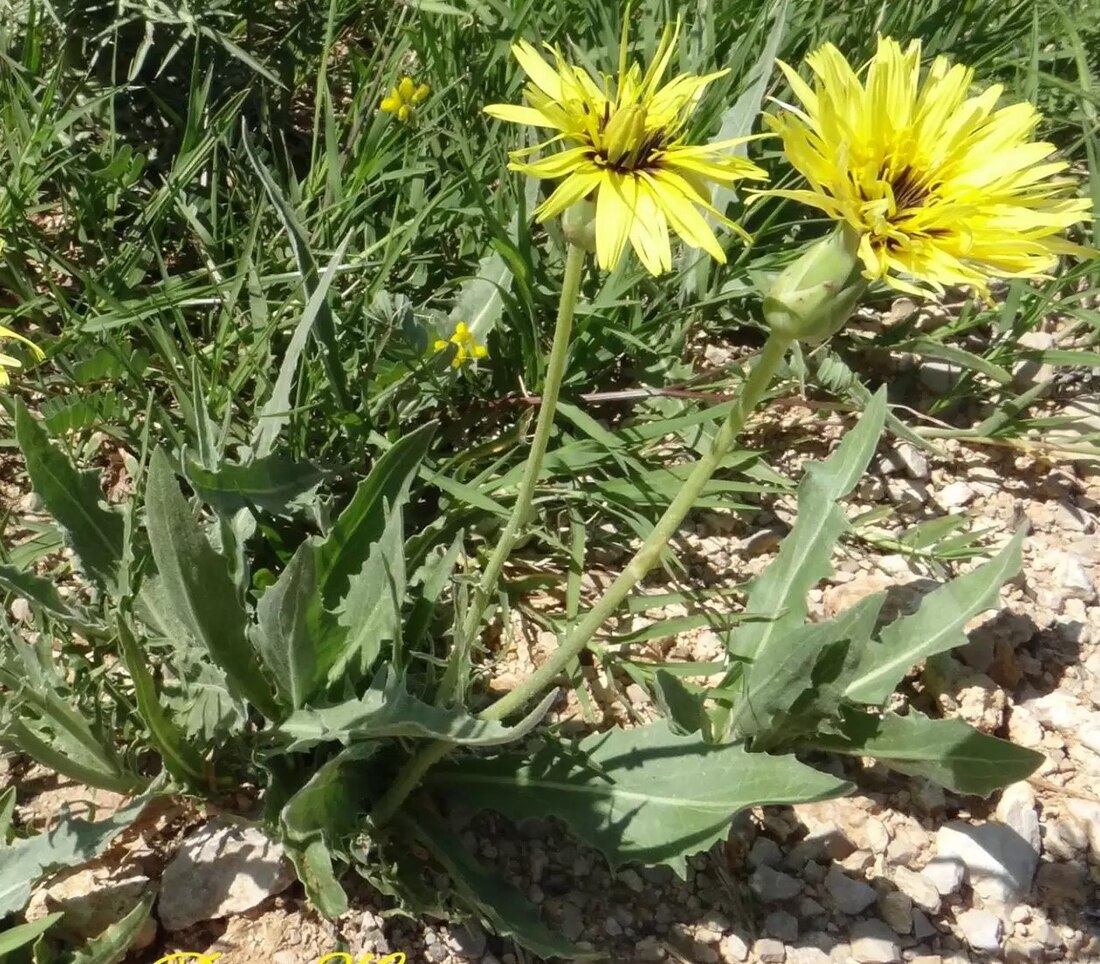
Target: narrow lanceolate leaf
point(935, 627)
point(371, 610)
point(94, 532)
point(111, 946)
point(22, 934)
point(273, 484)
point(387, 709)
point(488, 895)
point(344, 550)
point(319, 817)
point(781, 674)
point(39, 591)
point(643, 794)
point(198, 587)
point(71, 843)
point(181, 759)
point(804, 557)
point(948, 752)
point(290, 618)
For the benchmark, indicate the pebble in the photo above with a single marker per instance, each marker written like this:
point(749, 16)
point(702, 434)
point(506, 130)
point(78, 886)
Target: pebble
point(897, 910)
point(1088, 813)
point(733, 949)
point(782, 925)
point(905, 457)
point(771, 885)
point(1073, 581)
point(770, 951)
point(954, 495)
point(997, 861)
point(467, 940)
point(850, 896)
point(649, 949)
point(765, 852)
point(1023, 950)
point(981, 930)
point(1062, 882)
point(1016, 809)
point(874, 943)
point(919, 888)
point(922, 927)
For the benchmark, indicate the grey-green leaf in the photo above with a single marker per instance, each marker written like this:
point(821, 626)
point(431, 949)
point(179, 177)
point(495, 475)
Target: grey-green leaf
point(273, 483)
point(95, 533)
point(948, 752)
point(198, 587)
point(935, 627)
point(491, 897)
point(180, 758)
point(804, 557)
point(111, 946)
point(316, 819)
point(71, 843)
point(780, 674)
point(290, 619)
point(22, 934)
point(642, 794)
point(387, 709)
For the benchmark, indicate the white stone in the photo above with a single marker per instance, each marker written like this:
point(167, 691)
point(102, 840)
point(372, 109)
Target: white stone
point(954, 495)
point(1016, 809)
point(919, 888)
point(1073, 580)
point(733, 949)
point(997, 861)
point(1088, 813)
point(224, 868)
point(981, 930)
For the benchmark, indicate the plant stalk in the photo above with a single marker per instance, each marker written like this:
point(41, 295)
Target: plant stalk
point(760, 378)
point(521, 511)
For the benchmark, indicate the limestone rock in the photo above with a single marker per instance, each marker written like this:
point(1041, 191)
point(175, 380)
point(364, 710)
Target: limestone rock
point(224, 868)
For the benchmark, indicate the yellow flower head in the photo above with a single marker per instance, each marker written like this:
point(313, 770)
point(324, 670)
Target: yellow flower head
point(7, 361)
point(624, 145)
point(401, 100)
point(465, 344)
point(943, 187)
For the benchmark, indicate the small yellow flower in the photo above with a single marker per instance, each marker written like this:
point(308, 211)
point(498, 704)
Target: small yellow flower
point(465, 344)
point(404, 97)
point(625, 148)
point(7, 361)
point(942, 187)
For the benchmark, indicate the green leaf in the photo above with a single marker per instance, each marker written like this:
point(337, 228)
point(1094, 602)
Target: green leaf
point(681, 704)
point(948, 752)
point(935, 627)
point(643, 794)
point(490, 897)
point(290, 618)
point(317, 818)
point(387, 709)
point(22, 934)
point(804, 557)
point(74, 499)
point(42, 592)
point(343, 552)
point(71, 843)
point(181, 759)
point(198, 587)
point(272, 483)
point(111, 946)
point(781, 674)
point(371, 610)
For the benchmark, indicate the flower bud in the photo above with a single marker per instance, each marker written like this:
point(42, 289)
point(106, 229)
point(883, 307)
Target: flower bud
point(814, 296)
point(578, 223)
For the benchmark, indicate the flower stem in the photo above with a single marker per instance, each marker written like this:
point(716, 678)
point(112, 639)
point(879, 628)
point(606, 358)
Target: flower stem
point(650, 552)
point(555, 370)
point(771, 357)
